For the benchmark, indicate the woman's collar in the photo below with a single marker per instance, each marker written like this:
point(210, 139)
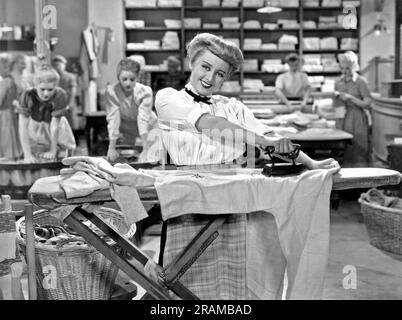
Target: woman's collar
point(190, 87)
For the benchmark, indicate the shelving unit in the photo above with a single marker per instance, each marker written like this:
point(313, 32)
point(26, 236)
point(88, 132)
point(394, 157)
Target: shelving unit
point(155, 29)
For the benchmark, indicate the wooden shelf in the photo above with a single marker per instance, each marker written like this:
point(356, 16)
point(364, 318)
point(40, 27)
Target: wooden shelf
point(152, 8)
point(154, 16)
point(152, 29)
point(16, 45)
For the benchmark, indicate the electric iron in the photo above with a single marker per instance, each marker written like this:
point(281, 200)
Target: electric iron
point(282, 169)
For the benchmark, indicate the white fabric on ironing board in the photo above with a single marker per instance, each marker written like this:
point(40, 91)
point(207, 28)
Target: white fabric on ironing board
point(300, 205)
point(93, 173)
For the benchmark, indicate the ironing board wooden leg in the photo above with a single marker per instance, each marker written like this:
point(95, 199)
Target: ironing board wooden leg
point(30, 251)
point(193, 250)
point(176, 287)
point(157, 291)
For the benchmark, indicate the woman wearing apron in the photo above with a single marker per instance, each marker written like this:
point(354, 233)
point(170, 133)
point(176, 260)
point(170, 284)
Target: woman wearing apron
point(129, 109)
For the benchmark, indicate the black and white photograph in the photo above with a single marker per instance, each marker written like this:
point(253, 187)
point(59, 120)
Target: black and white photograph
point(215, 152)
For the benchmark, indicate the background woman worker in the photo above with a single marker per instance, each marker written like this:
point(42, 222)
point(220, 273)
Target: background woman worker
point(293, 85)
point(129, 108)
point(352, 92)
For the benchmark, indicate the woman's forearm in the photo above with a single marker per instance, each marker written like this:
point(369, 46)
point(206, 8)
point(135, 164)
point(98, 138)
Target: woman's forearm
point(364, 104)
point(54, 134)
point(221, 128)
point(305, 160)
point(23, 133)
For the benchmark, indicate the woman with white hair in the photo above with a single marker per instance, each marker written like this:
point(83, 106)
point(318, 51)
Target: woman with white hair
point(352, 92)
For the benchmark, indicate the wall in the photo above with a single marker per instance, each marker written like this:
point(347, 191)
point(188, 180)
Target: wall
point(72, 17)
point(106, 13)
point(372, 45)
point(71, 20)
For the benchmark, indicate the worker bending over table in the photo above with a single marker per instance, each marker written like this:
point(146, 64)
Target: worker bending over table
point(293, 85)
point(199, 127)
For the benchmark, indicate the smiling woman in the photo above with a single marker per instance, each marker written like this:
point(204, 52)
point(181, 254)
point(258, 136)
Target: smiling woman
point(195, 121)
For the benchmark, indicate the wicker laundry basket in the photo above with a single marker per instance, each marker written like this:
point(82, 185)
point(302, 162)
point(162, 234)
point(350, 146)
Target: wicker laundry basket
point(74, 271)
point(7, 225)
point(383, 219)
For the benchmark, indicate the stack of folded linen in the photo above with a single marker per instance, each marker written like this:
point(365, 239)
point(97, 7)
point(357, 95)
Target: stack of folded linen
point(273, 66)
point(140, 3)
point(351, 3)
point(288, 23)
point(252, 24)
point(285, 3)
point(134, 24)
point(252, 44)
point(253, 85)
point(287, 42)
point(331, 3)
point(316, 81)
point(327, 22)
point(311, 3)
point(329, 43)
point(211, 3)
point(152, 44)
point(311, 43)
point(309, 24)
point(312, 63)
point(132, 46)
point(349, 44)
point(269, 46)
point(172, 23)
point(231, 86)
point(270, 26)
point(169, 3)
point(253, 3)
point(230, 22)
point(192, 23)
point(230, 3)
point(170, 41)
point(328, 85)
point(250, 65)
point(329, 62)
point(211, 25)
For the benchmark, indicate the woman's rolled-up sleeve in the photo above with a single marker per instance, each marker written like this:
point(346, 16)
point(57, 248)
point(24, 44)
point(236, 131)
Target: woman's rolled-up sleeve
point(60, 103)
point(112, 114)
point(145, 110)
point(249, 121)
point(24, 105)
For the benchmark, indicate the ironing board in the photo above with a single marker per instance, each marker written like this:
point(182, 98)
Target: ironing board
point(46, 193)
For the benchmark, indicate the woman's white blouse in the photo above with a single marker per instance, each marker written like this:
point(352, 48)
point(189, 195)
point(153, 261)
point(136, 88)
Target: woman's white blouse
point(178, 114)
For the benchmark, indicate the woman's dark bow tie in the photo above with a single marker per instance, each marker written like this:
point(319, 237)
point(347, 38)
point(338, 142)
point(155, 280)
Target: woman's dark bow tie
point(198, 98)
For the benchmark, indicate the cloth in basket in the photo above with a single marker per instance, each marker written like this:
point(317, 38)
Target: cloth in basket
point(74, 271)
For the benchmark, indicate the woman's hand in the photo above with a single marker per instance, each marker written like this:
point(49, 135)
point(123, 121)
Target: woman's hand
point(29, 158)
point(328, 164)
point(112, 155)
point(345, 96)
point(50, 155)
point(281, 144)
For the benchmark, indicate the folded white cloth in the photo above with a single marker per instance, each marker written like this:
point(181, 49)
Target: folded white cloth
point(94, 173)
